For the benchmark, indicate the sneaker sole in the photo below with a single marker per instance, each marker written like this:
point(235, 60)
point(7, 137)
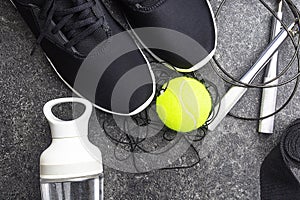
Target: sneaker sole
point(140, 109)
point(13, 4)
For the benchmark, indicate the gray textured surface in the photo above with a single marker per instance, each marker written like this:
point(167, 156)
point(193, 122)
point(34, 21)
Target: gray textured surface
point(232, 154)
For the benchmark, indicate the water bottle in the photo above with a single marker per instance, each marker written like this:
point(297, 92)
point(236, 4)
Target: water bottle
point(71, 167)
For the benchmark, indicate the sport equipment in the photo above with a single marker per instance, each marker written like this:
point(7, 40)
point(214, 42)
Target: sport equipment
point(68, 30)
point(71, 161)
point(193, 19)
point(185, 105)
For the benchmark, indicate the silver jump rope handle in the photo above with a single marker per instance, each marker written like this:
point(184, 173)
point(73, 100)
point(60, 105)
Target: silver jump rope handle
point(235, 93)
point(269, 95)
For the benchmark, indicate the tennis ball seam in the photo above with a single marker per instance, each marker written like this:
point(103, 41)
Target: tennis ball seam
point(183, 104)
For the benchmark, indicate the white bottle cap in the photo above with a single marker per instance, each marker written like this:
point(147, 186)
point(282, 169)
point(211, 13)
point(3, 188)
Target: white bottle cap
point(70, 155)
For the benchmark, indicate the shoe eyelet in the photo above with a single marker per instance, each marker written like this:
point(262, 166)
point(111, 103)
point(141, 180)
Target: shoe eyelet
point(137, 5)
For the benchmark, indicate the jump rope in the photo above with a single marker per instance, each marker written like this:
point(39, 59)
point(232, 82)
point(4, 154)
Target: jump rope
point(233, 81)
point(125, 139)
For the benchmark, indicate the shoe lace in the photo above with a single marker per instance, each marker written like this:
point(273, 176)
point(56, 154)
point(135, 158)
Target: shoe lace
point(69, 26)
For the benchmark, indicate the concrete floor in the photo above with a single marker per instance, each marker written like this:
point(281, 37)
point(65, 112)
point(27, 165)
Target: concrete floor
point(231, 155)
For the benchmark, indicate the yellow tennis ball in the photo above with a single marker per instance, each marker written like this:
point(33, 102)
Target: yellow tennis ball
point(185, 105)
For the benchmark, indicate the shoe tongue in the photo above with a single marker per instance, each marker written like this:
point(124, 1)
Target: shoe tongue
point(89, 42)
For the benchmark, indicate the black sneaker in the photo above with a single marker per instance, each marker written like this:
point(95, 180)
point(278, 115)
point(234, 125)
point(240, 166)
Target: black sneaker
point(68, 30)
point(193, 18)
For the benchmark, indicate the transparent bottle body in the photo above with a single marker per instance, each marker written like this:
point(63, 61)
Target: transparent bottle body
point(88, 188)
